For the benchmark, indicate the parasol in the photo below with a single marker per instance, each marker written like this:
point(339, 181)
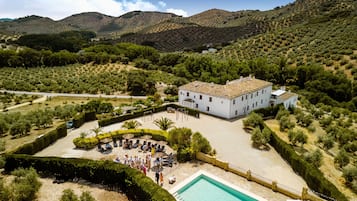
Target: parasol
point(146, 137)
point(128, 136)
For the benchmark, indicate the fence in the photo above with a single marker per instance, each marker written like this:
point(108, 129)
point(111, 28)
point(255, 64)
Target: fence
point(273, 185)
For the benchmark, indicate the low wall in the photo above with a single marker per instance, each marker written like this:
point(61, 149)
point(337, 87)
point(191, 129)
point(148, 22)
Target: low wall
point(304, 195)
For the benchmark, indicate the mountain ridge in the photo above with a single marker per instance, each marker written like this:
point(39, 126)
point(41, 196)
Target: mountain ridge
point(169, 32)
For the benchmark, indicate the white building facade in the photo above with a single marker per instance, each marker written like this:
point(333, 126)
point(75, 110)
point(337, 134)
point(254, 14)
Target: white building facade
point(287, 98)
point(236, 98)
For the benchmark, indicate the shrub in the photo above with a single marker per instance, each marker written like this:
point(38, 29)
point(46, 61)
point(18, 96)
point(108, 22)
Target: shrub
point(297, 137)
point(81, 118)
point(184, 154)
point(286, 123)
point(86, 196)
point(69, 195)
point(314, 158)
point(350, 175)
point(311, 128)
point(282, 112)
point(131, 181)
point(259, 137)
point(200, 144)
point(313, 176)
point(2, 145)
point(253, 120)
point(2, 162)
point(269, 111)
point(342, 159)
point(89, 143)
point(44, 141)
point(25, 184)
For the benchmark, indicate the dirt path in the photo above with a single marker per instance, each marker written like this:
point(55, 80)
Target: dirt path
point(42, 99)
point(53, 192)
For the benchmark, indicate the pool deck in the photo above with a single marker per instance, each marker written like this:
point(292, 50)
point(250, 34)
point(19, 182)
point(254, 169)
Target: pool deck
point(218, 179)
point(229, 139)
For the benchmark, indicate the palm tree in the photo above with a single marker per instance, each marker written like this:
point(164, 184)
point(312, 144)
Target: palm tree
point(132, 124)
point(164, 123)
point(97, 130)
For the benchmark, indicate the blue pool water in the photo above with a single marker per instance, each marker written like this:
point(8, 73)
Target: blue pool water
point(204, 188)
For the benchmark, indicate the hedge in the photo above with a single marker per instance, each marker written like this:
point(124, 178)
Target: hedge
point(136, 114)
point(80, 119)
point(132, 182)
point(43, 141)
point(269, 111)
point(89, 143)
point(312, 175)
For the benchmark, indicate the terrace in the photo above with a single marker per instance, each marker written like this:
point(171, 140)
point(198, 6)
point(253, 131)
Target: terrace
point(227, 137)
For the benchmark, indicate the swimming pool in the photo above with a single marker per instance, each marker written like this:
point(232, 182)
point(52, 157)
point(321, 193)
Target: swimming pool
point(205, 187)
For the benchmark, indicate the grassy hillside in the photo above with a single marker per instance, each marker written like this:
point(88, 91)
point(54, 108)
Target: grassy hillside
point(332, 44)
point(105, 79)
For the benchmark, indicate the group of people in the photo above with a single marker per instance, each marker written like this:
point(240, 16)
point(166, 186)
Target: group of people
point(143, 164)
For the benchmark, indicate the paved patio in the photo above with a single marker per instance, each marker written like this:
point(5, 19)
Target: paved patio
point(229, 139)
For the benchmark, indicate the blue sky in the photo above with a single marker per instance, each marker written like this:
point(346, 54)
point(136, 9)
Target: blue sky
point(59, 9)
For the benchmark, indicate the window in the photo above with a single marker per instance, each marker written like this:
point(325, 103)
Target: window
point(248, 108)
point(261, 101)
point(236, 112)
point(246, 97)
point(194, 97)
point(253, 105)
point(188, 94)
point(251, 96)
point(242, 98)
point(207, 109)
point(234, 102)
point(257, 93)
point(200, 97)
point(210, 99)
point(196, 105)
point(262, 91)
point(256, 104)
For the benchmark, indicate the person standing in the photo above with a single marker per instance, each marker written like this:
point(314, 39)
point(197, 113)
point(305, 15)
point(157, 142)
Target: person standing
point(157, 175)
point(161, 179)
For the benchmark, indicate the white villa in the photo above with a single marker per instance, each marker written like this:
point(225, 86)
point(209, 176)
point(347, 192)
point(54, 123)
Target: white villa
point(235, 98)
point(287, 98)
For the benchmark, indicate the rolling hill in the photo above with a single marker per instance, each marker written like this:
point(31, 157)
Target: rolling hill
point(103, 25)
point(169, 32)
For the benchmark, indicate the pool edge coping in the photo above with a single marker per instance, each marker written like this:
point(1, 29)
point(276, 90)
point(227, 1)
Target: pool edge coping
point(174, 190)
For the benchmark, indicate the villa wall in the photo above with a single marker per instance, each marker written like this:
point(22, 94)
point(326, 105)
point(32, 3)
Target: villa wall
point(216, 106)
point(291, 102)
point(246, 103)
point(256, 178)
point(224, 107)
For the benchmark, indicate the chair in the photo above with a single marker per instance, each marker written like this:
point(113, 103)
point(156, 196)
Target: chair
point(115, 144)
point(100, 148)
point(162, 148)
point(136, 144)
point(108, 147)
point(158, 148)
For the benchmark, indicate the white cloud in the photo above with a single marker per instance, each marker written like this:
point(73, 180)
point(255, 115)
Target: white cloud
point(59, 9)
point(139, 5)
point(177, 12)
point(162, 4)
